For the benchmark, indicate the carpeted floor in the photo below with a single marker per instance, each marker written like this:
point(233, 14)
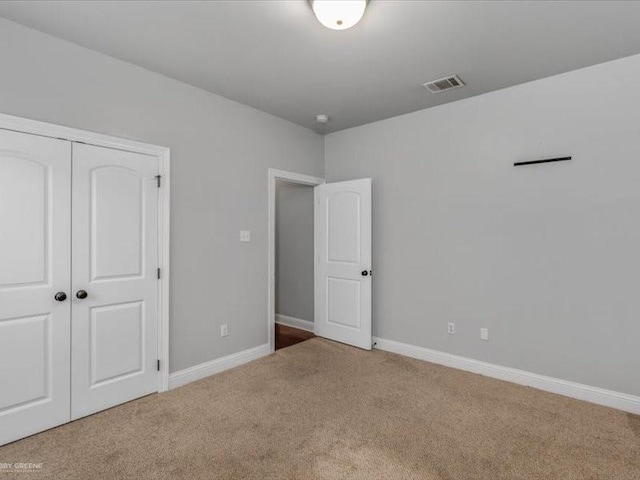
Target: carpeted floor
point(322, 410)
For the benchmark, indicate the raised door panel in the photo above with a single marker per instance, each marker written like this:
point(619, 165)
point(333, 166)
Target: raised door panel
point(25, 344)
point(343, 227)
point(35, 184)
point(25, 238)
point(117, 225)
point(117, 342)
point(343, 302)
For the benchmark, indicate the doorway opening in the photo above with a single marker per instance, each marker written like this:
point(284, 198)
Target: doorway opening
point(340, 258)
point(291, 258)
point(294, 263)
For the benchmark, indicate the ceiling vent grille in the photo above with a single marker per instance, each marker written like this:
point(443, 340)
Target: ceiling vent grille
point(446, 83)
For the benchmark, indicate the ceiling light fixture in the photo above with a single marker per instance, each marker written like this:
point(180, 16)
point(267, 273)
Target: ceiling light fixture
point(338, 14)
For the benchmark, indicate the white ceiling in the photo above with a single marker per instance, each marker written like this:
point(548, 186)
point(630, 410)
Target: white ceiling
point(275, 56)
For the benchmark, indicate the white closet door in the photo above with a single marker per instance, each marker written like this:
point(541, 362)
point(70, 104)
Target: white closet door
point(115, 261)
point(343, 262)
point(35, 231)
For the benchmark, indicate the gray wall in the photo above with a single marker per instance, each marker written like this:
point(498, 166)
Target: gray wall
point(294, 250)
point(220, 154)
point(546, 257)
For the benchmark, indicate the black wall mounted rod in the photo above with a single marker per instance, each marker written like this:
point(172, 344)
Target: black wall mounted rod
point(546, 160)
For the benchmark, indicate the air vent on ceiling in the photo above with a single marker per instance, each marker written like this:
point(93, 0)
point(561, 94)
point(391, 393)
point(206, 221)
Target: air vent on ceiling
point(446, 83)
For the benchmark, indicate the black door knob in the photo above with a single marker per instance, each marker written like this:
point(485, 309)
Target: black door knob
point(60, 296)
point(81, 294)
point(364, 273)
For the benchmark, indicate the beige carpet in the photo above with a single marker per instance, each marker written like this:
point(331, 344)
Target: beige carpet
point(321, 410)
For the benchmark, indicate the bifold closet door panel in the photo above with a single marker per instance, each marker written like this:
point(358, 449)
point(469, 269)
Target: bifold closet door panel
point(35, 232)
point(115, 286)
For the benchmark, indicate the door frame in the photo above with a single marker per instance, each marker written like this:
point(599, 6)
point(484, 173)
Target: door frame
point(163, 154)
point(291, 177)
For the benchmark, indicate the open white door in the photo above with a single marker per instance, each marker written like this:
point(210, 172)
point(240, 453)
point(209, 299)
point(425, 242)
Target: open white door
point(343, 262)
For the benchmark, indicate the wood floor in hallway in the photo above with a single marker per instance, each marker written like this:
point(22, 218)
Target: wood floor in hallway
point(287, 336)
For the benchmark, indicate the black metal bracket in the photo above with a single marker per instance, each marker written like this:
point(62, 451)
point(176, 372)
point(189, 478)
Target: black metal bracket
point(547, 160)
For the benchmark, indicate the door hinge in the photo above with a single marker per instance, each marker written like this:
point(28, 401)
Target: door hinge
point(158, 273)
point(159, 178)
point(158, 365)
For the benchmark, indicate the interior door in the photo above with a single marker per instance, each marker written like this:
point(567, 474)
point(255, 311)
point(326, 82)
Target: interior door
point(115, 286)
point(343, 262)
point(35, 232)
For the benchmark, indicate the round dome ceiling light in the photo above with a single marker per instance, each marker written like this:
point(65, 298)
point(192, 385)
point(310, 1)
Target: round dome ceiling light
point(322, 118)
point(338, 14)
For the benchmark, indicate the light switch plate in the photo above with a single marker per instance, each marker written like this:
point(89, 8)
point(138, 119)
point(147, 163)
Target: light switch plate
point(484, 334)
point(245, 236)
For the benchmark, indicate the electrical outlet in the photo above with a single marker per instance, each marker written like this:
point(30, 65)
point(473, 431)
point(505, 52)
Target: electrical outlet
point(245, 236)
point(224, 330)
point(484, 334)
point(451, 328)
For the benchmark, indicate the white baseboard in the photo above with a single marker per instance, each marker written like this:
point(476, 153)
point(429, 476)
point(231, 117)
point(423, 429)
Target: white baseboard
point(191, 374)
point(600, 396)
point(294, 322)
